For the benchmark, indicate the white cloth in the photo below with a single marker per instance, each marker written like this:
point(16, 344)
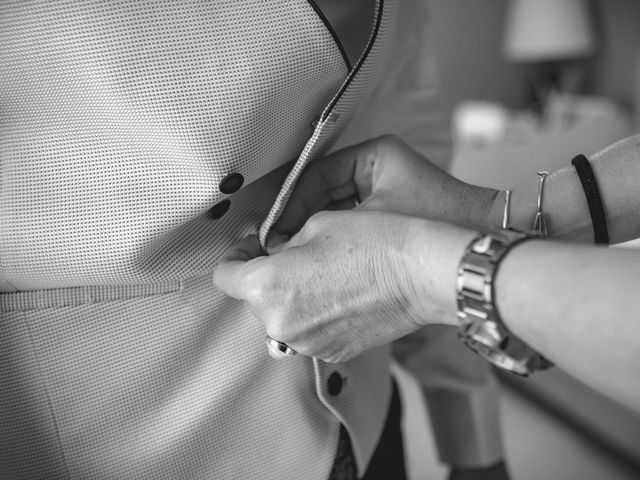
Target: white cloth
point(118, 358)
point(119, 121)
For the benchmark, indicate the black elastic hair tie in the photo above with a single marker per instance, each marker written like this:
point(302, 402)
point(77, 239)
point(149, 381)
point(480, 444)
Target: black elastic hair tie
point(590, 187)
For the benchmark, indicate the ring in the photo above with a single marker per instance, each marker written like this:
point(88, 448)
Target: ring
point(279, 348)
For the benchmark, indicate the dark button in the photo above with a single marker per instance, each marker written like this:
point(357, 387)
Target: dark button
point(219, 209)
point(231, 183)
point(334, 384)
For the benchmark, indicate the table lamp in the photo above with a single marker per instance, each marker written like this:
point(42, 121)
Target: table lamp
point(550, 37)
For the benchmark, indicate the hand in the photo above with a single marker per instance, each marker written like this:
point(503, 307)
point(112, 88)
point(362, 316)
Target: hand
point(338, 287)
point(385, 174)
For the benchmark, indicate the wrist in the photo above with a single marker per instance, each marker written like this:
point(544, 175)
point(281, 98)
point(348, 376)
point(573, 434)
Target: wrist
point(564, 208)
point(433, 252)
point(519, 212)
point(495, 213)
point(482, 205)
point(482, 327)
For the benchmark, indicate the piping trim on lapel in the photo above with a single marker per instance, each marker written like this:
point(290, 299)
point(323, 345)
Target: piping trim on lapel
point(327, 117)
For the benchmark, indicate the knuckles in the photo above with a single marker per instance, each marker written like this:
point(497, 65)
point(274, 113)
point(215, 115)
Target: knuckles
point(387, 139)
point(389, 144)
point(317, 223)
point(267, 296)
point(261, 284)
point(276, 329)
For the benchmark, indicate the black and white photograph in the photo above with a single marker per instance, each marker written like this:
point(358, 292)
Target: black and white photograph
point(319, 239)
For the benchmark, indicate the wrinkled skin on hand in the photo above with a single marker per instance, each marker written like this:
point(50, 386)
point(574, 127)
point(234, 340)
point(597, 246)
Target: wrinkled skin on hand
point(337, 288)
point(342, 283)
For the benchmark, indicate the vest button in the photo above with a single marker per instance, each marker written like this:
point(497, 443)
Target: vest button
point(334, 384)
point(219, 209)
point(231, 183)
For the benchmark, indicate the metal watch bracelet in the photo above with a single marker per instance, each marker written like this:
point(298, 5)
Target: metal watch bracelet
point(482, 330)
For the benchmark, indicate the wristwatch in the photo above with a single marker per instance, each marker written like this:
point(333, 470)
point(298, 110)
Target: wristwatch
point(482, 330)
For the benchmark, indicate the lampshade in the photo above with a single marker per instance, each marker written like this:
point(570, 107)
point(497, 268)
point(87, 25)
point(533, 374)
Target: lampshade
point(545, 30)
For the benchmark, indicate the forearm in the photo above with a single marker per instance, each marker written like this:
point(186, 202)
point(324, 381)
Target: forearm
point(573, 303)
point(576, 305)
point(616, 169)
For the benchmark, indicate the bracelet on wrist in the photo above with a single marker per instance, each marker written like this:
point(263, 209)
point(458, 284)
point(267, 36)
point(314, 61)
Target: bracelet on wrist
point(481, 327)
point(594, 199)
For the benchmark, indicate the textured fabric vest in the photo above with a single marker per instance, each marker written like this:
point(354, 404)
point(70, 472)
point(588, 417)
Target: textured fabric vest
point(119, 124)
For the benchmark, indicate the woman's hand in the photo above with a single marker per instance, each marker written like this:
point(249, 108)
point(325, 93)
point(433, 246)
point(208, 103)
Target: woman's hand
point(348, 281)
point(343, 284)
point(385, 174)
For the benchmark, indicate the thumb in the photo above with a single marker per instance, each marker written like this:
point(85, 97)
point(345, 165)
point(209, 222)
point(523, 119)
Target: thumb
point(229, 275)
point(379, 200)
point(275, 242)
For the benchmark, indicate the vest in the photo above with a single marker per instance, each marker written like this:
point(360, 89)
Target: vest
point(138, 142)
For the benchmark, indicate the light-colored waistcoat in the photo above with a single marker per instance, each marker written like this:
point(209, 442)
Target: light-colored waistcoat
point(120, 122)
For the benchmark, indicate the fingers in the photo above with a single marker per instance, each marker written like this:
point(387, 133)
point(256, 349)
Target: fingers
point(381, 164)
point(275, 242)
point(378, 201)
point(330, 182)
point(325, 181)
point(245, 250)
point(230, 273)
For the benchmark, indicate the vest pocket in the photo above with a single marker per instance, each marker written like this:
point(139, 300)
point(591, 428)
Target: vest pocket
point(76, 296)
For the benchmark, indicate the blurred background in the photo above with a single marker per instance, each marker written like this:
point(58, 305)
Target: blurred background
point(529, 84)
point(562, 75)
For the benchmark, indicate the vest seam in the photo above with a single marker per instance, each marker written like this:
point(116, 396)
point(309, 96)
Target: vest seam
point(47, 394)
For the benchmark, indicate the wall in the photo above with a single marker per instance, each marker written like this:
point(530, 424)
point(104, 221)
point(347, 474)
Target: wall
point(469, 34)
point(613, 71)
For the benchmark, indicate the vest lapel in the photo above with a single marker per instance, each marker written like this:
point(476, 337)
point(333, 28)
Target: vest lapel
point(339, 110)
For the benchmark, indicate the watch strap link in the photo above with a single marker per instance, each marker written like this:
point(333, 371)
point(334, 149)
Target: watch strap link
point(482, 330)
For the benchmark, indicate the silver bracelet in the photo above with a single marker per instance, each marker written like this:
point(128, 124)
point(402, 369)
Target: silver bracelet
point(506, 211)
point(539, 226)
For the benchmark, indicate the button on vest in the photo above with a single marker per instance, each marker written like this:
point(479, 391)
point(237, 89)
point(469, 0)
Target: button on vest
point(231, 183)
point(334, 384)
point(219, 209)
